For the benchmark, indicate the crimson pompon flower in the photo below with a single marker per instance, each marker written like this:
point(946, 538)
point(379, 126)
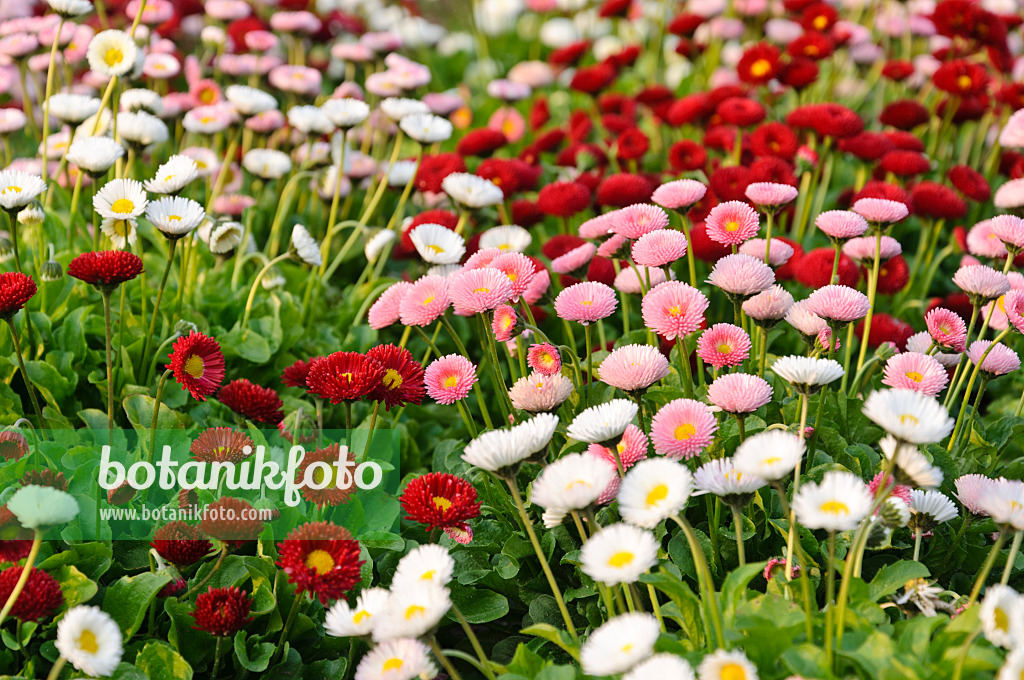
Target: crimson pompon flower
point(222, 612)
point(105, 269)
point(402, 382)
point(593, 79)
point(16, 289)
point(15, 540)
point(231, 520)
point(320, 558)
point(223, 444)
point(295, 375)
point(344, 376)
point(759, 64)
point(197, 364)
point(13, 445)
point(252, 401)
point(624, 189)
point(335, 491)
point(481, 142)
point(442, 501)
point(39, 599)
point(181, 544)
point(563, 199)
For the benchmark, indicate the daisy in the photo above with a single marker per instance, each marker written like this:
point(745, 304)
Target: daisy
point(70, 9)
point(841, 225)
point(586, 302)
point(723, 345)
point(345, 113)
point(475, 291)
point(682, 428)
point(428, 563)
point(910, 467)
point(496, 450)
point(397, 108)
point(723, 665)
point(909, 415)
point(400, 659)
point(741, 276)
point(267, 163)
point(1013, 667)
point(602, 423)
point(739, 393)
point(804, 320)
point(426, 128)
point(633, 368)
point(507, 238)
point(544, 358)
point(72, 108)
point(412, 612)
point(771, 454)
point(18, 189)
point(680, 194)
point(663, 665)
point(305, 246)
point(197, 364)
point(915, 371)
point(574, 260)
point(1003, 502)
point(838, 304)
point(42, 507)
point(674, 309)
point(420, 303)
point(537, 393)
point(1000, 360)
point(573, 482)
point(1000, 607)
point(90, 640)
point(930, 508)
point(1010, 195)
point(225, 237)
point(947, 329)
point(140, 99)
point(619, 644)
point(880, 210)
point(635, 280)
point(172, 176)
point(141, 129)
point(981, 283)
point(838, 503)
point(770, 194)
point(807, 374)
point(769, 307)
point(450, 378)
point(121, 199)
point(112, 53)
point(863, 249)
point(249, 101)
point(654, 490)
point(174, 217)
point(618, 553)
point(343, 620)
point(721, 478)
point(970, 489)
point(732, 223)
point(659, 248)
point(634, 221)
point(438, 245)
point(309, 120)
point(778, 254)
point(471, 191)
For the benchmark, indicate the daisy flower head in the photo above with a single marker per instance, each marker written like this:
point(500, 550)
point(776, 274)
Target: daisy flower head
point(682, 428)
point(732, 223)
point(398, 659)
point(739, 393)
point(397, 108)
point(428, 563)
point(841, 225)
point(863, 249)
point(518, 269)
point(471, 191)
point(998, 358)
point(501, 451)
point(635, 280)
point(1013, 666)
point(70, 9)
point(305, 247)
point(838, 503)
point(412, 612)
point(838, 304)
point(663, 665)
point(981, 282)
point(174, 216)
point(345, 112)
point(807, 374)
point(121, 199)
point(806, 321)
point(539, 393)
point(437, 244)
point(603, 422)
point(596, 227)
point(386, 311)
point(679, 195)
point(769, 196)
point(267, 164)
point(723, 665)
point(909, 415)
point(573, 482)
point(94, 155)
point(508, 238)
point(674, 309)
point(618, 553)
point(930, 508)
point(422, 302)
point(620, 643)
point(450, 378)
point(197, 364)
point(105, 269)
point(544, 358)
point(720, 477)
point(633, 368)
point(1012, 305)
point(634, 221)
point(18, 189)
point(914, 371)
point(769, 307)
point(474, 291)
point(426, 128)
point(970, 489)
point(741, 276)
point(506, 324)
point(71, 107)
point(344, 376)
point(1010, 230)
point(222, 612)
point(90, 639)
point(723, 345)
point(654, 490)
point(947, 329)
point(658, 248)
point(111, 53)
point(574, 260)
point(1003, 502)
point(343, 620)
point(257, 403)
point(16, 289)
point(173, 175)
point(1010, 195)
point(779, 252)
point(586, 302)
point(771, 454)
point(1001, 607)
point(880, 210)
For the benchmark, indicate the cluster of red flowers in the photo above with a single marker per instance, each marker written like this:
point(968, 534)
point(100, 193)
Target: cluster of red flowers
point(439, 500)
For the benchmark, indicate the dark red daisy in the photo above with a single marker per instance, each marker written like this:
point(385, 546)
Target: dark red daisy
point(970, 183)
point(295, 374)
point(15, 540)
point(45, 477)
point(181, 544)
point(893, 275)
point(335, 480)
point(867, 146)
point(814, 269)
point(774, 139)
point(439, 501)
point(481, 142)
point(16, 289)
point(563, 199)
point(222, 612)
point(904, 163)
point(105, 269)
point(759, 64)
point(320, 558)
point(224, 444)
point(885, 328)
point(434, 168)
point(686, 155)
point(730, 182)
point(624, 189)
point(930, 199)
point(252, 401)
point(13, 445)
point(344, 376)
point(741, 111)
point(231, 520)
point(593, 79)
point(961, 77)
point(403, 377)
point(898, 70)
point(904, 114)
point(631, 145)
point(40, 597)
point(197, 364)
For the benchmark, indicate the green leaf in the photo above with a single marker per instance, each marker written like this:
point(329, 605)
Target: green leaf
point(160, 662)
point(129, 597)
point(806, 660)
point(892, 577)
point(383, 540)
point(253, 655)
point(139, 408)
point(555, 635)
point(74, 585)
point(479, 605)
point(126, 671)
point(736, 583)
point(559, 672)
point(247, 344)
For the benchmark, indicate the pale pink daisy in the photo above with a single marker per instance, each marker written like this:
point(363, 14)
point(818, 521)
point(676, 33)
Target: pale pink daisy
point(539, 393)
point(680, 194)
point(1000, 360)
point(723, 345)
point(424, 301)
point(611, 491)
point(519, 270)
point(636, 220)
point(778, 255)
point(504, 323)
point(880, 210)
point(575, 259)
point(387, 309)
point(674, 309)
point(1012, 134)
point(918, 372)
point(863, 248)
point(544, 358)
point(479, 290)
point(770, 194)
point(296, 79)
point(613, 246)
point(947, 329)
point(741, 276)
point(739, 392)
point(769, 307)
point(682, 428)
point(482, 258)
point(983, 242)
point(821, 341)
point(596, 227)
point(839, 304)
point(450, 378)
point(631, 449)
point(586, 302)
point(539, 285)
point(633, 368)
point(981, 282)
point(1012, 305)
point(637, 280)
point(659, 248)
point(971, 489)
point(840, 225)
point(732, 223)
point(1010, 230)
point(922, 344)
point(1010, 195)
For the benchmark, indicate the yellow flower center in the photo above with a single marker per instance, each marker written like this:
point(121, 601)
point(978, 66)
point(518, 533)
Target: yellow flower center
point(577, 482)
point(733, 671)
point(450, 382)
point(732, 225)
point(588, 303)
point(674, 311)
point(442, 503)
point(684, 432)
point(820, 22)
point(760, 68)
point(87, 642)
point(360, 616)
point(14, 189)
point(122, 228)
point(657, 494)
point(724, 348)
point(428, 575)
point(194, 366)
point(915, 376)
point(174, 218)
point(113, 56)
point(392, 379)
point(320, 561)
point(206, 96)
point(481, 290)
point(434, 248)
point(122, 205)
point(428, 300)
point(771, 461)
point(964, 82)
point(835, 508)
point(1002, 621)
point(620, 559)
point(414, 610)
point(393, 664)
point(908, 418)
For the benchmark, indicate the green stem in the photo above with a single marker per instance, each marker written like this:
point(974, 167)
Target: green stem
point(474, 642)
point(986, 569)
point(216, 657)
point(737, 518)
point(255, 285)
point(830, 593)
point(872, 291)
point(110, 362)
point(24, 373)
point(791, 537)
point(1012, 557)
point(439, 653)
point(704, 578)
point(23, 579)
point(159, 296)
point(156, 415)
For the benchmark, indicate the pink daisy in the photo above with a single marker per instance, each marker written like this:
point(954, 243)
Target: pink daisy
point(981, 283)
point(922, 344)
point(840, 225)
point(575, 259)
point(971, 489)
point(839, 304)
point(899, 491)
point(674, 309)
point(918, 372)
point(680, 194)
point(770, 194)
point(682, 428)
point(519, 270)
point(482, 258)
point(739, 392)
point(544, 358)
point(731, 223)
point(450, 378)
point(539, 285)
point(613, 246)
point(769, 307)
point(983, 242)
point(504, 323)
point(862, 248)
point(1010, 230)
point(778, 254)
point(723, 345)
point(596, 227)
point(634, 221)
point(479, 290)
point(633, 368)
point(1012, 305)
point(741, 275)
point(659, 248)
point(821, 341)
point(633, 281)
point(880, 210)
point(1010, 196)
point(425, 301)
point(612, 490)
point(387, 309)
point(631, 449)
point(539, 393)
point(1000, 360)
point(947, 329)
point(586, 302)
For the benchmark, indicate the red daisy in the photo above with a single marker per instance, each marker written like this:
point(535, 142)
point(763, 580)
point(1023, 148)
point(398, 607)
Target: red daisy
point(970, 183)
point(224, 444)
point(593, 79)
point(15, 540)
point(403, 377)
point(563, 199)
point(502, 173)
point(16, 289)
point(811, 45)
point(231, 520)
point(632, 144)
point(252, 401)
point(867, 146)
point(759, 64)
point(344, 376)
point(295, 375)
point(893, 275)
point(525, 213)
point(40, 597)
point(741, 111)
point(568, 55)
point(481, 142)
point(181, 544)
point(898, 70)
point(798, 73)
point(729, 182)
point(937, 201)
point(197, 364)
point(440, 501)
point(336, 489)
point(885, 328)
point(320, 558)
point(905, 114)
point(222, 612)
point(433, 169)
point(121, 495)
point(904, 163)
point(814, 269)
point(689, 109)
point(44, 477)
point(13, 445)
point(961, 77)
point(774, 139)
point(686, 155)
point(624, 189)
point(105, 269)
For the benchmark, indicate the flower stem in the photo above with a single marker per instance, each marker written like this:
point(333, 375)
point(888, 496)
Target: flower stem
point(791, 537)
point(1012, 557)
point(474, 642)
point(156, 414)
point(292, 614)
point(986, 569)
point(704, 578)
point(872, 292)
point(24, 373)
point(737, 518)
point(917, 543)
point(23, 579)
point(590, 362)
point(439, 653)
point(156, 305)
point(58, 666)
point(256, 283)
point(830, 593)
point(110, 362)
point(216, 657)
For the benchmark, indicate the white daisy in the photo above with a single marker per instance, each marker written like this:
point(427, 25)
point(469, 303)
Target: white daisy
point(120, 199)
point(723, 665)
point(225, 237)
point(931, 508)
point(267, 163)
point(437, 244)
point(721, 478)
point(397, 108)
point(619, 553)
point(305, 246)
point(653, 490)
point(140, 99)
point(573, 482)
point(807, 374)
point(310, 120)
point(249, 101)
point(1004, 503)
point(172, 176)
point(120, 232)
point(619, 644)
point(495, 450)
point(444, 270)
point(471, 191)
point(273, 279)
point(999, 608)
point(663, 665)
point(508, 237)
point(412, 612)
point(401, 173)
point(838, 503)
point(402, 659)
point(70, 8)
point(429, 563)
point(1013, 667)
point(17, 189)
point(141, 128)
point(31, 215)
point(895, 512)
point(771, 455)
point(40, 507)
point(345, 621)
point(112, 53)
point(911, 465)
point(909, 415)
point(426, 128)
point(206, 160)
point(72, 108)
point(345, 113)
point(94, 155)
point(175, 216)
point(376, 244)
point(970, 489)
point(604, 422)
point(90, 639)
point(97, 124)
